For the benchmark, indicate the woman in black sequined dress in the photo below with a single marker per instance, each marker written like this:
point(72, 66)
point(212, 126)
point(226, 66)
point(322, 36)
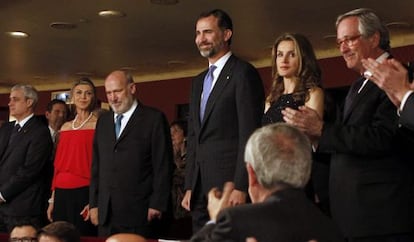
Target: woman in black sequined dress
point(296, 76)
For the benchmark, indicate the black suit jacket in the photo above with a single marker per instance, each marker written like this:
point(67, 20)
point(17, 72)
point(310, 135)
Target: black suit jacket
point(407, 114)
point(132, 173)
point(233, 111)
point(286, 216)
point(369, 186)
point(22, 168)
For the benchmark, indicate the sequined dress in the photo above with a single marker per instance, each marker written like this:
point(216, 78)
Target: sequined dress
point(274, 113)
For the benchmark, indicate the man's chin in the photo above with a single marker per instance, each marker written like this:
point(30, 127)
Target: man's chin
point(350, 64)
point(205, 54)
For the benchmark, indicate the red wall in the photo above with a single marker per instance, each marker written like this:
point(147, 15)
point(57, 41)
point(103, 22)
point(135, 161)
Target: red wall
point(165, 95)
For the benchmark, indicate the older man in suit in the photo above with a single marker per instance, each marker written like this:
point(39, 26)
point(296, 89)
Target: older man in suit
point(370, 186)
point(278, 162)
point(131, 164)
point(25, 148)
point(226, 106)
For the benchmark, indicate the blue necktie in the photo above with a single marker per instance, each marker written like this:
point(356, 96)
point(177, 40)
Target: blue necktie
point(118, 120)
point(208, 82)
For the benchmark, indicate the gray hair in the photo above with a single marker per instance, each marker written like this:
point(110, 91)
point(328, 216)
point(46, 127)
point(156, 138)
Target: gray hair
point(29, 92)
point(279, 154)
point(369, 24)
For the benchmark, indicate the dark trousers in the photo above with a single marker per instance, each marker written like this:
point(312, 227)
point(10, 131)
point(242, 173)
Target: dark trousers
point(113, 225)
point(199, 210)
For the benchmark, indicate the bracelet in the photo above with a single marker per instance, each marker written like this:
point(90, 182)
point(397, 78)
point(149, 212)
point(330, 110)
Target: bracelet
point(50, 200)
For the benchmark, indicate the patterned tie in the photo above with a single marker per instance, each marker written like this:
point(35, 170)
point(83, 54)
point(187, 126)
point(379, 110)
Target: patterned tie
point(352, 93)
point(118, 120)
point(208, 82)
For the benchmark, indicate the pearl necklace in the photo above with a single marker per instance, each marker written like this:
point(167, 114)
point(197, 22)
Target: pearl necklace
point(82, 124)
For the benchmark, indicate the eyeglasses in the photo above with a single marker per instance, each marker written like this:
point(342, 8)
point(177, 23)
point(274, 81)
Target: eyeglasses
point(348, 40)
point(23, 239)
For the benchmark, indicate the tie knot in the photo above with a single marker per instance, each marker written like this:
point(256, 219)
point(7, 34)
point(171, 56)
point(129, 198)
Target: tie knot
point(211, 69)
point(17, 127)
point(119, 117)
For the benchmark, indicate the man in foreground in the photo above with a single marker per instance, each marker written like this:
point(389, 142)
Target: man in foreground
point(278, 162)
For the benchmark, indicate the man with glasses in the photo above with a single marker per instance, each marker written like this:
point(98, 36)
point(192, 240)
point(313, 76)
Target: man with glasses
point(23, 231)
point(369, 186)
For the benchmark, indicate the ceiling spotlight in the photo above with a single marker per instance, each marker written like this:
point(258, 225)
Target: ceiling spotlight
point(111, 14)
point(329, 37)
point(164, 2)
point(398, 25)
point(17, 34)
point(175, 62)
point(128, 68)
point(62, 25)
point(40, 78)
point(84, 73)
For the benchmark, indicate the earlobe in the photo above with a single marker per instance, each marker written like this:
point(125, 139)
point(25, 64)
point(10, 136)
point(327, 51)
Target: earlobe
point(252, 175)
point(29, 102)
point(133, 88)
point(227, 34)
point(376, 39)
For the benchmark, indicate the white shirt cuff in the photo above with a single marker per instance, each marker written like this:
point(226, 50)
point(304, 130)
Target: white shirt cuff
point(2, 198)
point(404, 100)
point(211, 222)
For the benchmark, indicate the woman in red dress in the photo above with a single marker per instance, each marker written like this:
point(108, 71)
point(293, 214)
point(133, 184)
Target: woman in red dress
point(72, 166)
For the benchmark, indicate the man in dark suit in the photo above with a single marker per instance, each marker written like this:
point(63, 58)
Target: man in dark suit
point(370, 186)
point(25, 148)
point(131, 164)
point(226, 106)
point(278, 161)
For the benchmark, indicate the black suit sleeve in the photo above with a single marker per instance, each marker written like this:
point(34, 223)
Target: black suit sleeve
point(250, 106)
point(162, 163)
point(407, 114)
point(219, 231)
point(94, 184)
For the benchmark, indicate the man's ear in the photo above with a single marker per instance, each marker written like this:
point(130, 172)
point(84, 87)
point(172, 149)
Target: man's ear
point(29, 102)
point(252, 175)
point(375, 39)
point(227, 34)
point(133, 88)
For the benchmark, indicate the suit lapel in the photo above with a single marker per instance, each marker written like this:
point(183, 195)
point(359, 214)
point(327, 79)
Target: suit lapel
point(18, 138)
point(129, 125)
point(358, 99)
point(222, 81)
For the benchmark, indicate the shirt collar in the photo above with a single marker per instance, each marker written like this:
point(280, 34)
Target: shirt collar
point(24, 121)
point(222, 61)
point(128, 113)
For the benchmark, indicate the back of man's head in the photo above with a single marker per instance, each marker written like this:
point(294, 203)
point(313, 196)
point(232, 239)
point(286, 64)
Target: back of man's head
point(280, 155)
point(125, 237)
point(61, 231)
